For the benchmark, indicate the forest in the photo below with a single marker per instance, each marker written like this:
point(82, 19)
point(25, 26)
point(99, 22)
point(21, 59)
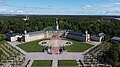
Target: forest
point(94, 24)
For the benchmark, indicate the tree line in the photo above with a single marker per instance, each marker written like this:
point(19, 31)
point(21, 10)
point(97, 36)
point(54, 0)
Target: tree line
point(94, 24)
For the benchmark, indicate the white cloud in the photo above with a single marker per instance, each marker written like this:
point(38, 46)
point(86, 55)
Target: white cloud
point(87, 6)
point(3, 10)
point(112, 11)
point(116, 3)
point(12, 11)
point(109, 4)
point(105, 5)
point(20, 11)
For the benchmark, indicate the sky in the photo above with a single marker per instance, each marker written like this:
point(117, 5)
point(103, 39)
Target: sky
point(60, 7)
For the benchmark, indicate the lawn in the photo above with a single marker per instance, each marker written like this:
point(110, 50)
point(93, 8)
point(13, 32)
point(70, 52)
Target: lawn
point(42, 63)
point(67, 63)
point(35, 47)
point(78, 46)
point(32, 46)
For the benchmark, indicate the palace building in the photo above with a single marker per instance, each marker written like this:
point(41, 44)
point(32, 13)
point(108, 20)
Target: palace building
point(115, 39)
point(79, 36)
point(32, 36)
point(42, 35)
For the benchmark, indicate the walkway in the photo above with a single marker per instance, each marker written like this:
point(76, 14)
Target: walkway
point(16, 43)
point(93, 43)
point(54, 63)
point(63, 56)
point(54, 57)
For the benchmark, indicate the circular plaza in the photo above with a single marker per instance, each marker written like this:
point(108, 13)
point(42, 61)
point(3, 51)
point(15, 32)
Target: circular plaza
point(54, 44)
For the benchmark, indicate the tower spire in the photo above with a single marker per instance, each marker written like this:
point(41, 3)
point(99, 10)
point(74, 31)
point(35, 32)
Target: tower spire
point(57, 25)
point(86, 32)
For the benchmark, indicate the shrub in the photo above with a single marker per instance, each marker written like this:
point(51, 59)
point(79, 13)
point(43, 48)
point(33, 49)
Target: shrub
point(2, 37)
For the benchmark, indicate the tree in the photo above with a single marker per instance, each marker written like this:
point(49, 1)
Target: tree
point(2, 37)
point(1, 25)
point(112, 56)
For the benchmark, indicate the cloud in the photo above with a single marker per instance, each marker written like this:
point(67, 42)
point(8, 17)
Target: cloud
point(116, 3)
point(38, 10)
point(20, 11)
point(12, 11)
point(87, 6)
point(105, 5)
point(2, 10)
point(2, 2)
point(86, 9)
point(112, 11)
point(109, 4)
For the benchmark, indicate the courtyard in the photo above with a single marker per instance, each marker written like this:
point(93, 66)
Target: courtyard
point(35, 47)
point(68, 58)
point(34, 52)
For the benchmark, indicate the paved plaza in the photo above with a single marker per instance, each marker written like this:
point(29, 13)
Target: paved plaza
point(55, 43)
point(54, 57)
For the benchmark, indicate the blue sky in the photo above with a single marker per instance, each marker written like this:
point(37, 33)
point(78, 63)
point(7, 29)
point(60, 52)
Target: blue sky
point(60, 7)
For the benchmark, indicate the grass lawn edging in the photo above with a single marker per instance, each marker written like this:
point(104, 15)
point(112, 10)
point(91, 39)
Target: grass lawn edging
point(42, 63)
point(67, 63)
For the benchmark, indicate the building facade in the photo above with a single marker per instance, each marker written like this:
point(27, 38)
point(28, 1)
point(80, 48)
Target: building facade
point(42, 35)
point(115, 39)
point(38, 35)
point(79, 36)
point(13, 36)
point(32, 36)
point(98, 37)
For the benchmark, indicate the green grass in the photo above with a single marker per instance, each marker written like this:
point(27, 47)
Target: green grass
point(32, 46)
point(35, 47)
point(67, 63)
point(78, 46)
point(42, 63)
